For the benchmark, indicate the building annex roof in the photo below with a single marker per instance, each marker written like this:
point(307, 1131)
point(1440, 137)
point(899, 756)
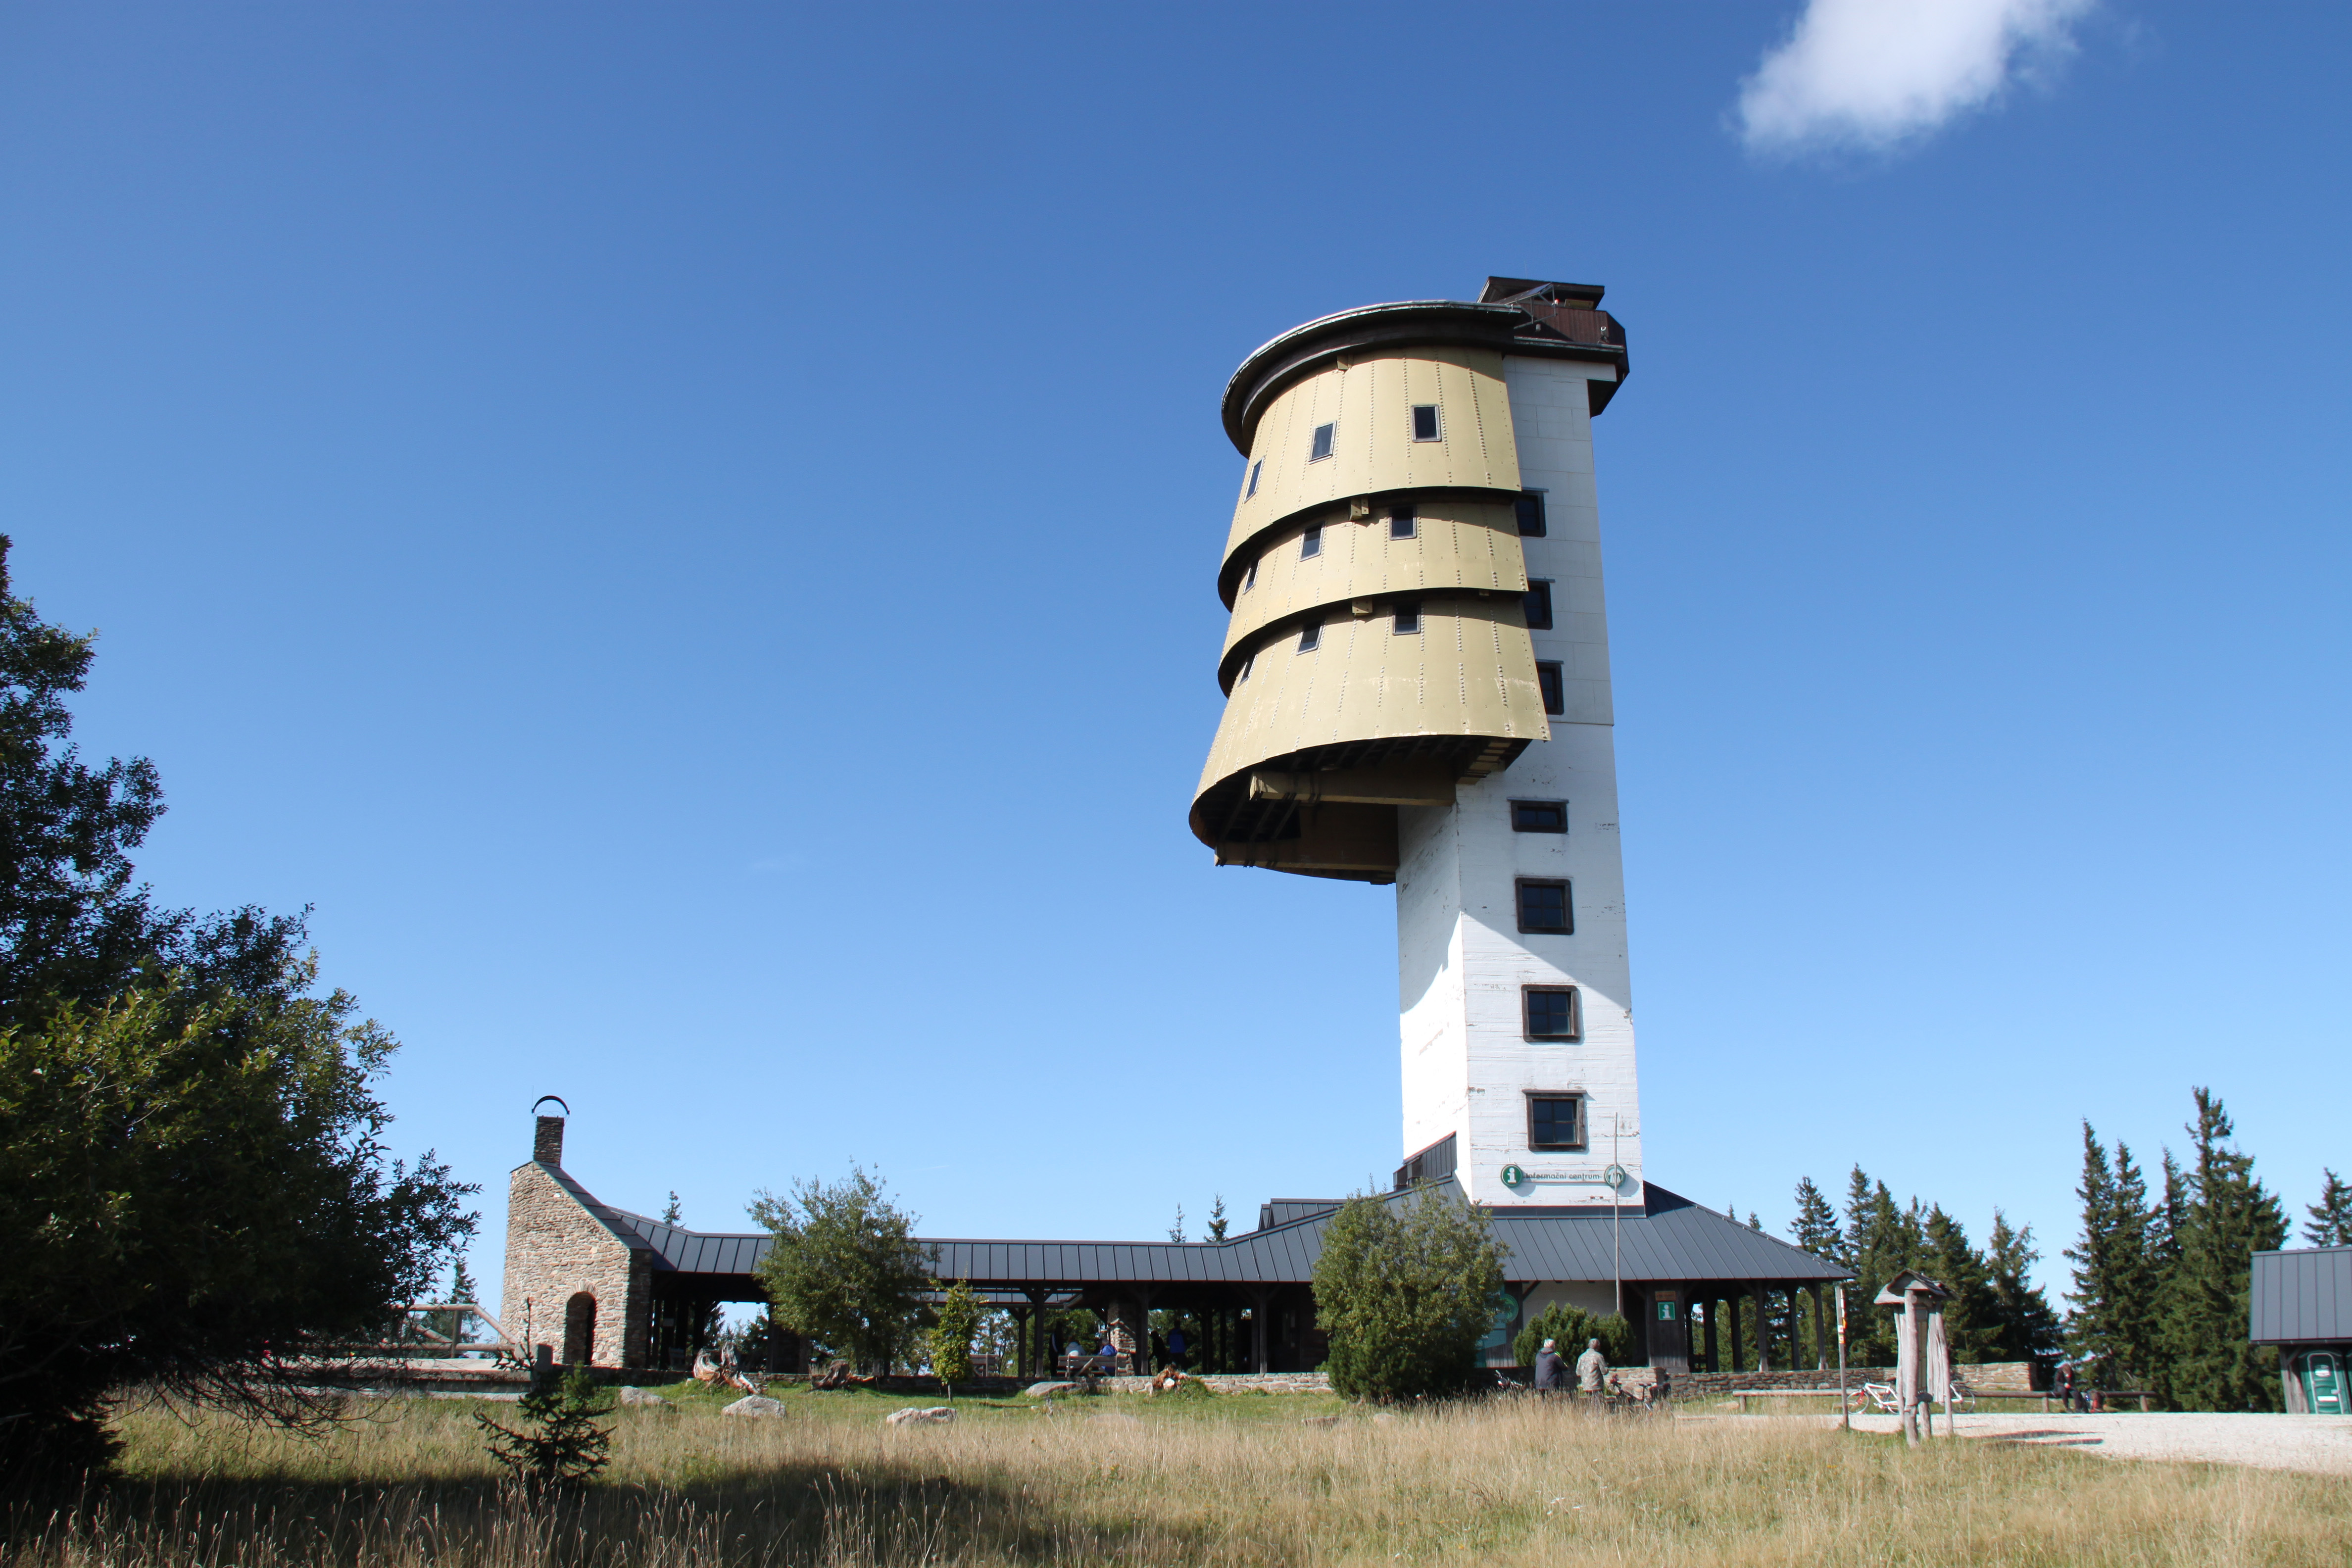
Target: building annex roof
point(2302, 1297)
point(1667, 1237)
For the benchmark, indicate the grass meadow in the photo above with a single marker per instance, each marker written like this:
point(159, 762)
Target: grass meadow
point(1235, 1479)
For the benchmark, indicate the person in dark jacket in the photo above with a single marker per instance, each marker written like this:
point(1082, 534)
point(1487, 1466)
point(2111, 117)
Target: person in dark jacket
point(1551, 1375)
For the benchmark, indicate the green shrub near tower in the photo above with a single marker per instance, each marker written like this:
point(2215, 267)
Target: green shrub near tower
point(1403, 1289)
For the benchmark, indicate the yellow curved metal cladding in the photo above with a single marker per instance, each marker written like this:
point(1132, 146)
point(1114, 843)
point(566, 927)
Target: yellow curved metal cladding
point(1402, 549)
point(1367, 406)
point(1378, 651)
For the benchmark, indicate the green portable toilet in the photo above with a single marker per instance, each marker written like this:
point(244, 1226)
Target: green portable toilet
point(2323, 1384)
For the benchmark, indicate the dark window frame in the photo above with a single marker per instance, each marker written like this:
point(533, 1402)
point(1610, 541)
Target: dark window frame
point(1519, 886)
point(1408, 617)
point(1575, 1029)
point(1257, 470)
point(1553, 684)
point(1582, 1133)
point(1310, 636)
point(1436, 422)
point(1538, 605)
point(1249, 578)
point(1324, 442)
point(1247, 665)
point(1404, 523)
point(1518, 826)
point(1311, 542)
point(1529, 507)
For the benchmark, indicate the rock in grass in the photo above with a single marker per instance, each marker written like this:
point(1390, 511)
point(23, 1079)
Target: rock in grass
point(1047, 1390)
point(643, 1397)
point(755, 1404)
point(920, 1415)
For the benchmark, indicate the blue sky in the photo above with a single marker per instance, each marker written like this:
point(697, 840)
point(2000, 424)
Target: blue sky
point(688, 534)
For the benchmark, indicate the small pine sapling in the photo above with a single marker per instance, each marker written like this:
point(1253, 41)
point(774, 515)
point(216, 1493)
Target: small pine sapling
point(562, 1448)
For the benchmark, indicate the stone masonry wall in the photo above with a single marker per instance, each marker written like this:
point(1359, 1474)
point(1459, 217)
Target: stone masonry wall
point(556, 1247)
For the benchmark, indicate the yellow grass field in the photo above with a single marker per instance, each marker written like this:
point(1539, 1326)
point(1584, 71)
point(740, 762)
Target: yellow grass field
point(1233, 1479)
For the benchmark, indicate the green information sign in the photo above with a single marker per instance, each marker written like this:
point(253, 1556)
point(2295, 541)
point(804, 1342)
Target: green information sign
point(1513, 1176)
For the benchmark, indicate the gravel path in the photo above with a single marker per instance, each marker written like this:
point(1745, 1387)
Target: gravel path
point(2319, 1444)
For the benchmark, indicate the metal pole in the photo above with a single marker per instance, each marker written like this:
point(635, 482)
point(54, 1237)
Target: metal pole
point(1846, 1407)
point(1616, 1268)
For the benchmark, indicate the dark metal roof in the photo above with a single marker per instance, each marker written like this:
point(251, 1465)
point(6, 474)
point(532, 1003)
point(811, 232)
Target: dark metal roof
point(1564, 322)
point(1667, 1237)
point(2302, 1297)
point(698, 1251)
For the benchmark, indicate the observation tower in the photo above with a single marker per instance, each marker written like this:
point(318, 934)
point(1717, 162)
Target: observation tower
point(1416, 673)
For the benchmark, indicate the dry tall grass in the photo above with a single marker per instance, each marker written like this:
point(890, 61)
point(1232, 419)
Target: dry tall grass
point(1232, 1480)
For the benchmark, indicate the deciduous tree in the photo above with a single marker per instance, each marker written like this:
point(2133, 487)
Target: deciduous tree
point(844, 1266)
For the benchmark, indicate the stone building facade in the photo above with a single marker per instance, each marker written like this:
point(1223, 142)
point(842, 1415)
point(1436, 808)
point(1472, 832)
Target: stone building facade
point(578, 1280)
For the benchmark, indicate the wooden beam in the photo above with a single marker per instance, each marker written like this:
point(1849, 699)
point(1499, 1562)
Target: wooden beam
point(1403, 785)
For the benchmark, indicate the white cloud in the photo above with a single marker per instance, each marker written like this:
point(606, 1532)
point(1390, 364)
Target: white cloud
point(1875, 73)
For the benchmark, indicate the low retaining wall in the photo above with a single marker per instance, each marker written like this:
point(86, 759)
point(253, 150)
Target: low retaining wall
point(1234, 1383)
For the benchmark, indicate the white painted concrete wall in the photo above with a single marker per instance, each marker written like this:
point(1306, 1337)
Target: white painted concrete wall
point(1462, 960)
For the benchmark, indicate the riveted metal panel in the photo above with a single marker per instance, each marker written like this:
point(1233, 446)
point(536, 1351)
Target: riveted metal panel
point(2302, 1296)
point(1369, 405)
point(1458, 544)
point(1470, 671)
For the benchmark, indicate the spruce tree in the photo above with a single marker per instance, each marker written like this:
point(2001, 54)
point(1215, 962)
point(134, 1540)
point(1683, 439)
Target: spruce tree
point(2225, 1217)
point(1816, 1225)
point(1952, 1261)
point(2027, 1328)
point(1217, 1221)
point(2118, 1273)
point(2330, 1224)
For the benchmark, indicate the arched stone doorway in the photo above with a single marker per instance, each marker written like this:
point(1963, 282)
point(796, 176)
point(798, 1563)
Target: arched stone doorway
point(579, 1330)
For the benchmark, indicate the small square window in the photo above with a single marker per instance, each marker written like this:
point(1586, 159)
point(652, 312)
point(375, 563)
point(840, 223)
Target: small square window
point(1401, 523)
point(1554, 1122)
point(1538, 604)
point(1538, 816)
point(1256, 469)
point(1424, 421)
point(1555, 690)
point(1408, 618)
point(1310, 635)
point(1249, 578)
point(1323, 435)
point(1553, 1012)
point(1531, 514)
point(1311, 541)
point(1544, 907)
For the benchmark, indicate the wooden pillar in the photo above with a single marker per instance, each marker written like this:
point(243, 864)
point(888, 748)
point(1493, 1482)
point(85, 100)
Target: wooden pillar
point(1763, 1331)
point(1714, 1305)
point(1258, 1300)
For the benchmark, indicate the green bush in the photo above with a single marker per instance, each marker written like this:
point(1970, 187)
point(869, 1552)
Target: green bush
point(1571, 1327)
point(1403, 1288)
point(951, 1337)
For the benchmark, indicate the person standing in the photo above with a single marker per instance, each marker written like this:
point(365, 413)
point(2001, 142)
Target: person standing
point(1591, 1371)
point(1551, 1374)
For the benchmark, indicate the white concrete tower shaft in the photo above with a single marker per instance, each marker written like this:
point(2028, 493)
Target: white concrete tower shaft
point(1517, 1044)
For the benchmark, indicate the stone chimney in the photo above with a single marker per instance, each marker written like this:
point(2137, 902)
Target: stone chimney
point(547, 1142)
